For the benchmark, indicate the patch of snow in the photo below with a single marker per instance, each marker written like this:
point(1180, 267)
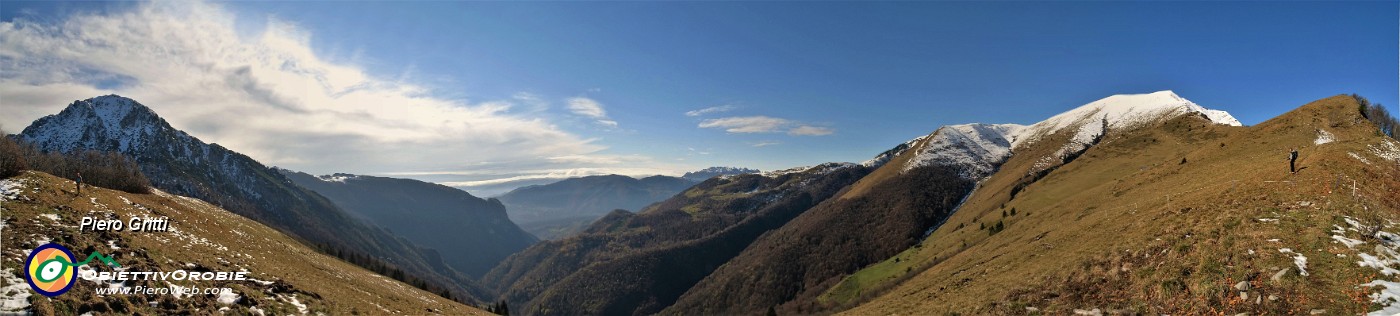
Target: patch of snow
point(256, 310)
point(14, 296)
point(41, 240)
point(1350, 243)
point(227, 296)
point(1088, 312)
point(113, 244)
point(11, 188)
point(339, 177)
point(1387, 150)
point(301, 308)
point(1298, 260)
point(52, 217)
point(1389, 297)
point(1358, 157)
point(1266, 220)
point(1323, 137)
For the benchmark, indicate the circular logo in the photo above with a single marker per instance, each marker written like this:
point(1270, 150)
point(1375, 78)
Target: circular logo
point(50, 269)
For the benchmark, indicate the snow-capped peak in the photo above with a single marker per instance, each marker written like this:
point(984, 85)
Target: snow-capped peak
point(109, 122)
point(981, 148)
point(1120, 112)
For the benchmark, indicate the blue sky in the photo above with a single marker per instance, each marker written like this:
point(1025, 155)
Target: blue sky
point(856, 78)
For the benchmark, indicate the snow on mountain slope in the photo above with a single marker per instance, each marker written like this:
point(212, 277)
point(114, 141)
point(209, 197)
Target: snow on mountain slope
point(884, 157)
point(1117, 112)
point(1120, 112)
point(979, 148)
point(122, 125)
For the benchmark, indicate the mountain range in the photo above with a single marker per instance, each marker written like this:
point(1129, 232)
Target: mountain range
point(470, 234)
point(559, 209)
point(1131, 204)
point(891, 227)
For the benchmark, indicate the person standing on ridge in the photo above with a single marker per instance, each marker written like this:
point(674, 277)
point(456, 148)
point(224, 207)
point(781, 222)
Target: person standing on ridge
point(1292, 157)
point(79, 183)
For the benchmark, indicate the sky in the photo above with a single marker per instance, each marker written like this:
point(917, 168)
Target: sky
point(488, 96)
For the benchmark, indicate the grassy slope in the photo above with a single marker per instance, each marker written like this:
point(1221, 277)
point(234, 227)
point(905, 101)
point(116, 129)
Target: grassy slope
point(207, 237)
point(1127, 226)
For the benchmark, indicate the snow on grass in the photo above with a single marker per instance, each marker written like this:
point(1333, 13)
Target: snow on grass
point(14, 296)
point(1298, 260)
point(113, 244)
point(1358, 157)
point(292, 299)
point(227, 296)
point(1387, 256)
point(1386, 150)
point(11, 188)
point(1350, 243)
point(1389, 296)
point(52, 217)
point(1324, 137)
point(1266, 220)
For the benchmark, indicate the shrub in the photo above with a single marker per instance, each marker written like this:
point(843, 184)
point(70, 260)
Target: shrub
point(1378, 114)
point(11, 157)
point(101, 169)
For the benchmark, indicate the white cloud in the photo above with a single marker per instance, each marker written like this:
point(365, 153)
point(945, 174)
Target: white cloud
point(592, 109)
point(806, 130)
point(764, 144)
point(269, 95)
point(746, 124)
point(710, 110)
point(764, 124)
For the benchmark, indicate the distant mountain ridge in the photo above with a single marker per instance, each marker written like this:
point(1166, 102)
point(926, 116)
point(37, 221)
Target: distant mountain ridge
point(638, 263)
point(471, 234)
point(182, 164)
point(711, 172)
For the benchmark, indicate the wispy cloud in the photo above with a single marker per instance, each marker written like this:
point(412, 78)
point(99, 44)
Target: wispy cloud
point(764, 124)
point(806, 130)
point(293, 107)
point(764, 144)
point(592, 109)
point(710, 110)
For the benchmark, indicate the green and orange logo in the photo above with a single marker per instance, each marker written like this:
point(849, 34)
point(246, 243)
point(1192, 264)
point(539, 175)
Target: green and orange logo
point(52, 271)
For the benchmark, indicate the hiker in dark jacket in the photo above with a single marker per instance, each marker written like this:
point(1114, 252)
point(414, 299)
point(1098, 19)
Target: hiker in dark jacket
point(79, 183)
point(1292, 157)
